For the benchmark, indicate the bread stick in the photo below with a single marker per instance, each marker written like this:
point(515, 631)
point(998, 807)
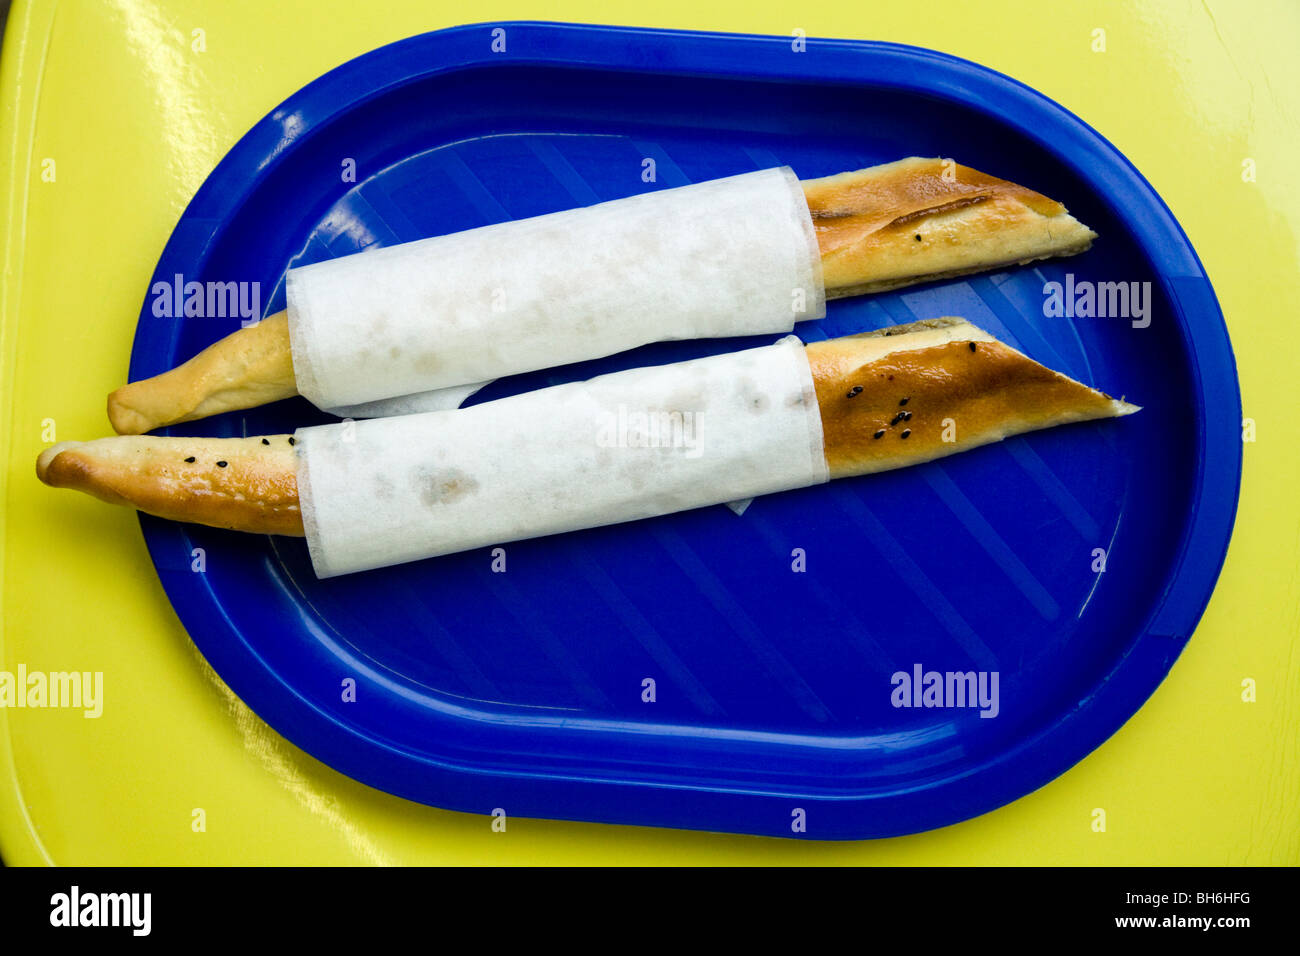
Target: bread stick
point(880, 228)
point(912, 393)
point(887, 399)
point(246, 368)
point(244, 484)
point(918, 220)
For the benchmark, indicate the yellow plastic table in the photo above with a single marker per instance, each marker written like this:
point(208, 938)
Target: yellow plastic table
point(114, 113)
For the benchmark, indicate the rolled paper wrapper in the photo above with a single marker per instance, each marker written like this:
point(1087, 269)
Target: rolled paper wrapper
point(435, 400)
point(628, 445)
point(727, 257)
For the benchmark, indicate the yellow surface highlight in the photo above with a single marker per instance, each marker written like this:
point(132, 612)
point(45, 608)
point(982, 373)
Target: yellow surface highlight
point(135, 119)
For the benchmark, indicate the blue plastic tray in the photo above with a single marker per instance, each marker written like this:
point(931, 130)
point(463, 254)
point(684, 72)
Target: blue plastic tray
point(523, 690)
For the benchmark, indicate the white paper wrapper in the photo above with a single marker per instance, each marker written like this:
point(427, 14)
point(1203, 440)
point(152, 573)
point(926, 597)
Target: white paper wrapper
point(735, 256)
point(437, 400)
point(623, 446)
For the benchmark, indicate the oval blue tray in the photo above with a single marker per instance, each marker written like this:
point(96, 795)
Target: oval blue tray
point(773, 691)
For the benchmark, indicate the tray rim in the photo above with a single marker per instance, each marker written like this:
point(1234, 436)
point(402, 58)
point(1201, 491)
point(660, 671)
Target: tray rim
point(1072, 141)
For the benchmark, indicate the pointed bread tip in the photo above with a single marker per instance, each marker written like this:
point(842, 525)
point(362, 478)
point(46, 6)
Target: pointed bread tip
point(46, 458)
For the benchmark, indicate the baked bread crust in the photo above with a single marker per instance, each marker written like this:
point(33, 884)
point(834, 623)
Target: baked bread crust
point(247, 368)
point(916, 392)
point(243, 484)
point(884, 227)
point(917, 220)
point(887, 399)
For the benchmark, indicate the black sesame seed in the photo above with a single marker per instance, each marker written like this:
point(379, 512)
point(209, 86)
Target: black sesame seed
point(879, 434)
point(266, 441)
point(190, 460)
point(918, 237)
point(896, 419)
point(905, 433)
point(290, 439)
point(904, 401)
point(972, 346)
point(891, 378)
point(907, 416)
point(221, 464)
point(855, 391)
